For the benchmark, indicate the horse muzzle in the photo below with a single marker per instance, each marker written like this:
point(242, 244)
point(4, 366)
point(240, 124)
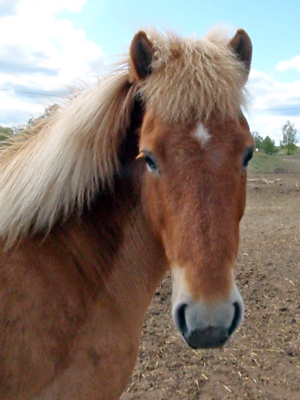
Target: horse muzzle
point(204, 328)
point(208, 325)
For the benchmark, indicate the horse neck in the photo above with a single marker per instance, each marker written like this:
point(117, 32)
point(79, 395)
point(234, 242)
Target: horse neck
point(116, 249)
point(89, 283)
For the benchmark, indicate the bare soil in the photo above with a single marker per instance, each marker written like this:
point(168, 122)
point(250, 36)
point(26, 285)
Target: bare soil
point(262, 360)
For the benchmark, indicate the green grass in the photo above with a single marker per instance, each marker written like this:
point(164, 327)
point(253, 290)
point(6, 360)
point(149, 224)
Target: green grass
point(263, 163)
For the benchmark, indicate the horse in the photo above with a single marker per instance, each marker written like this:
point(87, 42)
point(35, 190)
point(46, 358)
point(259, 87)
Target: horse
point(140, 173)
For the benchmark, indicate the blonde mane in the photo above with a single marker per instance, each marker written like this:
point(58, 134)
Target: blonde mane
point(194, 77)
point(58, 170)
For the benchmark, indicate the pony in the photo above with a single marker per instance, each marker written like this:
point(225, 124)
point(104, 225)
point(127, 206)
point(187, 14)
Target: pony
point(141, 173)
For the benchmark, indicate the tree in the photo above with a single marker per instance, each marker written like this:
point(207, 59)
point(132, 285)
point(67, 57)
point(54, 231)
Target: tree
point(268, 145)
point(5, 133)
point(34, 125)
point(289, 138)
point(258, 139)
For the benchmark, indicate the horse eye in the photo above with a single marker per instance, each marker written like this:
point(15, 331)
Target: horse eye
point(151, 165)
point(247, 157)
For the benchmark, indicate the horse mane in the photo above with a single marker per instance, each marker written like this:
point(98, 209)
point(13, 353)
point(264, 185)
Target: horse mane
point(62, 167)
point(46, 175)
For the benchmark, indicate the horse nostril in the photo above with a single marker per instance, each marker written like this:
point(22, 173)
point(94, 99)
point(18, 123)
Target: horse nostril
point(236, 318)
point(181, 321)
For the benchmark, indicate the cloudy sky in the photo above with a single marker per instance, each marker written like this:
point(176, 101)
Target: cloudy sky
point(48, 45)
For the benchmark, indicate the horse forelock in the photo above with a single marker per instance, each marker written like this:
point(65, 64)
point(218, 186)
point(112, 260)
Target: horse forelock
point(194, 78)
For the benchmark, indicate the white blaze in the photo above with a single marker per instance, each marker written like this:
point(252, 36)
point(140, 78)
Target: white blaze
point(202, 135)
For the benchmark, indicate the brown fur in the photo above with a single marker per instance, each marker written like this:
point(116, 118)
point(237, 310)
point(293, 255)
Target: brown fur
point(69, 325)
point(213, 189)
point(72, 301)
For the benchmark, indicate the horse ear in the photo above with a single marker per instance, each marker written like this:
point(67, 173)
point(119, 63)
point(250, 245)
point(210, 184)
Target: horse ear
point(141, 53)
point(242, 47)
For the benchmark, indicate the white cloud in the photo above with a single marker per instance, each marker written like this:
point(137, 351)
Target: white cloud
point(293, 63)
point(41, 53)
point(272, 104)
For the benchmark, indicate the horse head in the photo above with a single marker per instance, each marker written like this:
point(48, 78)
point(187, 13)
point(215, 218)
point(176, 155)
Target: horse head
point(196, 145)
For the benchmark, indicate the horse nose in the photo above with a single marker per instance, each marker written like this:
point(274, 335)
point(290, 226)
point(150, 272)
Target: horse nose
point(203, 327)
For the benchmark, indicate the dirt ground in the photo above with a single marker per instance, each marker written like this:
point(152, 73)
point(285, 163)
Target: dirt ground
point(262, 360)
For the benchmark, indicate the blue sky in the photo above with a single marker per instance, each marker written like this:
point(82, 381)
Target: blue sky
point(273, 25)
point(46, 45)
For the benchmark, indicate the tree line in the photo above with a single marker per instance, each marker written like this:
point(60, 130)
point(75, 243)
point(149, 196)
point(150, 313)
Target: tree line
point(6, 132)
point(287, 146)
